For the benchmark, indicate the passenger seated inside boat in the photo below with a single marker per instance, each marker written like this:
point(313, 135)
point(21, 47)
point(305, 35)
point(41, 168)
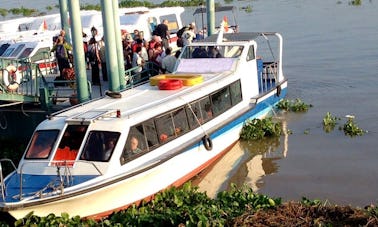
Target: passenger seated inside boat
point(99, 146)
point(132, 149)
point(109, 147)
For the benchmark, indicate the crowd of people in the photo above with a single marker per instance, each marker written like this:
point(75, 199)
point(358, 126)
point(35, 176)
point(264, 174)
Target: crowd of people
point(137, 51)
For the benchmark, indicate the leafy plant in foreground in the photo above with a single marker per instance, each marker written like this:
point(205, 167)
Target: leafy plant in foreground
point(351, 128)
point(329, 122)
point(257, 129)
point(296, 105)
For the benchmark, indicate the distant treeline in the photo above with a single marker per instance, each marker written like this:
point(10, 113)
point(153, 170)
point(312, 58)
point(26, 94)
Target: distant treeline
point(123, 4)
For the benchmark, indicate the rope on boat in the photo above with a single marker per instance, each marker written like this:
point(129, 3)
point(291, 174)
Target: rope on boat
point(206, 140)
point(10, 104)
point(198, 121)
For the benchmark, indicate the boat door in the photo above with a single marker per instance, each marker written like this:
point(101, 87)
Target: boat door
point(254, 66)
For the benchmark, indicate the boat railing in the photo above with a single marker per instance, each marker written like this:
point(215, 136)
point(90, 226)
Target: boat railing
point(63, 179)
point(268, 77)
point(25, 85)
point(138, 75)
point(2, 183)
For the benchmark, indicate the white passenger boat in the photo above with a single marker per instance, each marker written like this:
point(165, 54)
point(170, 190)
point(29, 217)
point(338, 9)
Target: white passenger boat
point(103, 155)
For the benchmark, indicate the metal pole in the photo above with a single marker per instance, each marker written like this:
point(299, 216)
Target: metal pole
point(78, 51)
point(203, 23)
point(110, 45)
point(210, 17)
point(64, 19)
point(117, 33)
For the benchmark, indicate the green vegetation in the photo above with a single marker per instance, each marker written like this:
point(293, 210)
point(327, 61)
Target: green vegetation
point(3, 12)
point(257, 129)
point(247, 9)
point(296, 105)
point(49, 8)
point(355, 2)
point(24, 11)
point(329, 122)
point(172, 207)
point(238, 207)
point(351, 129)
point(123, 4)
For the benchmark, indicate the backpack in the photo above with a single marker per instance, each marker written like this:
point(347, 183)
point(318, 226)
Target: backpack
point(182, 30)
point(92, 56)
point(61, 52)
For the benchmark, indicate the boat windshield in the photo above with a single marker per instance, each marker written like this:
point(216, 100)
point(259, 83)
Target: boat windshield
point(70, 143)
point(99, 146)
point(210, 51)
point(41, 144)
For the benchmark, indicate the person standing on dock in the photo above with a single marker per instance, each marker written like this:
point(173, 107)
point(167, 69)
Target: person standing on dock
point(189, 35)
point(61, 49)
point(163, 31)
point(101, 45)
point(94, 58)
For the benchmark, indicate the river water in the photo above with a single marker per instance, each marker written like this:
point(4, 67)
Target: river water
point(331, 61)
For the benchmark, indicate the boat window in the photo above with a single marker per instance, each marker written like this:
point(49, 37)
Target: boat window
point(221, 101)
point(194, 114)
point(180, 121)
point(231, 51)
point(150, 132)
point(26, 52)
point(251, 53)
point(17, 50)
point(70, 143)
point(25, 26)
point(135, 144)
point(153, 23)
point(161, 129)
point(3, 48)
point(172, 22)
point(41, 144)
point(99, 146)
point(8, 52)
point(206, 110)
point(236, 94)
point(165, 128)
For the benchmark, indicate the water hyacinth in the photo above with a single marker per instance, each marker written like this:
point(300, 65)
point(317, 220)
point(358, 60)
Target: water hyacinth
point(257, 129)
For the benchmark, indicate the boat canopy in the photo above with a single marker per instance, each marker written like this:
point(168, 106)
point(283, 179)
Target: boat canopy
point(217, 9)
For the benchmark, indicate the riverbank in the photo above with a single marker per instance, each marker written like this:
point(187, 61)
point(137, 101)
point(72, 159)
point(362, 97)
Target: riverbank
point(239, 207)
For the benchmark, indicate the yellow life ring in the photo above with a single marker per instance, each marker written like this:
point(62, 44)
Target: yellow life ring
point(11, 77)
point(187, 79)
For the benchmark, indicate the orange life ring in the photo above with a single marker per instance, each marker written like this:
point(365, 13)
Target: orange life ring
point(170, 84)
point(11, 77)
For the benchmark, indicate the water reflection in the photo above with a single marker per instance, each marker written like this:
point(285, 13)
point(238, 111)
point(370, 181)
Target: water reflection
point(246, 163)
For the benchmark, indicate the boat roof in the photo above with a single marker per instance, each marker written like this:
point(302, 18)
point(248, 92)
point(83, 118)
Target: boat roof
point(217, 9)
point(236, 37)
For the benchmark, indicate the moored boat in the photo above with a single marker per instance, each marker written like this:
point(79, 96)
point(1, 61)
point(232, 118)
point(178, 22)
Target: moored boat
point(106, 154)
